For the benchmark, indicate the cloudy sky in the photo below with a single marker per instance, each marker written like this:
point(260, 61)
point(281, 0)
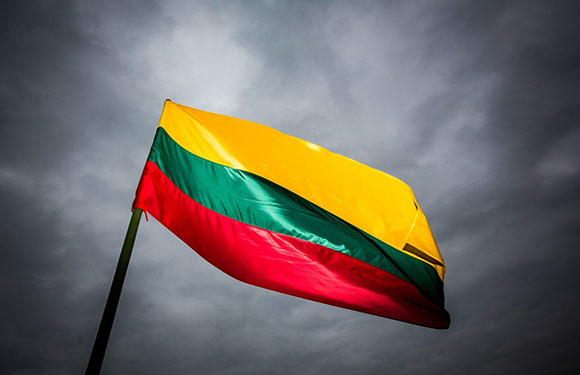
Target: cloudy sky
point(475, 104)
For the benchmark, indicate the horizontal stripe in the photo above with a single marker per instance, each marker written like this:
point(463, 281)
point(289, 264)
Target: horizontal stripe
point(283, 263)
point(371, 200)
point(254, 200)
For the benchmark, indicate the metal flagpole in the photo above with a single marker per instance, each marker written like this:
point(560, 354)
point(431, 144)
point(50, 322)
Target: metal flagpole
point(102, 339)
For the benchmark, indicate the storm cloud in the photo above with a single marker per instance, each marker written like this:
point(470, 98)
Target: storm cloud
point(474, 104)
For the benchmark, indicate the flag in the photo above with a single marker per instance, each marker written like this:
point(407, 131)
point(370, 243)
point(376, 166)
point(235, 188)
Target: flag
point(285, 214)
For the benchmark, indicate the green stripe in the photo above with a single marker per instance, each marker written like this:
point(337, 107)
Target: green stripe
point(253, 200)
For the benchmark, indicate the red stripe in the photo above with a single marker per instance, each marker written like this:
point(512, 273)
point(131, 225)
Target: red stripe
point(282, 263)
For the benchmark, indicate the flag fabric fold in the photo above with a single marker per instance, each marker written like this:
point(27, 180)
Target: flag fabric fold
point(287, 215)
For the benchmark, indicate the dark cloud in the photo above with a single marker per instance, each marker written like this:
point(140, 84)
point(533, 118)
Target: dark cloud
point(474, 104)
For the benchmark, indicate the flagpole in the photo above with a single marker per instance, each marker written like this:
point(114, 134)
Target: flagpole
point(102, 339)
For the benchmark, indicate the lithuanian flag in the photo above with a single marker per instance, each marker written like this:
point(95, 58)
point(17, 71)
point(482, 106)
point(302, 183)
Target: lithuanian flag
point(285, 214)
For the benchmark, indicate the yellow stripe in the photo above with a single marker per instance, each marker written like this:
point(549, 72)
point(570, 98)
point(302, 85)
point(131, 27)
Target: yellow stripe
point(371, 200)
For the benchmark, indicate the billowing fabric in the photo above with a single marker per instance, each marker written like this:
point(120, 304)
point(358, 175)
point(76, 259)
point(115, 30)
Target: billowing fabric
point(276, 229)
point(369, 199)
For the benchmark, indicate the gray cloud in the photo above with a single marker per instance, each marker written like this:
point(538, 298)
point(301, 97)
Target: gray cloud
point(474, 104)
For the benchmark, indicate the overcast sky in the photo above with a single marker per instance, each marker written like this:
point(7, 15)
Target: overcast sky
point(475, 104)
